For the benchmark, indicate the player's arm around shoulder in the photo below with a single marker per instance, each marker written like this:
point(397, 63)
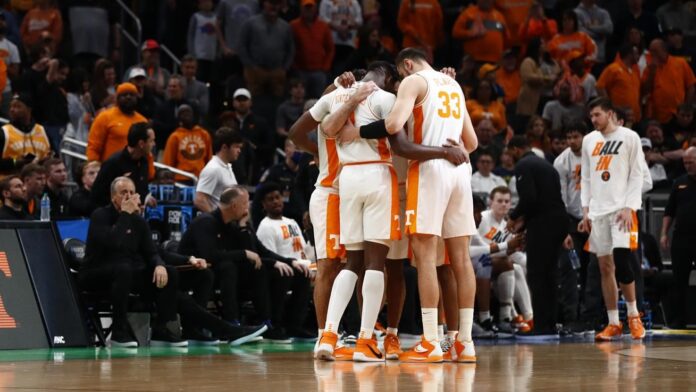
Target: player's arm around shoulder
point(411, 89)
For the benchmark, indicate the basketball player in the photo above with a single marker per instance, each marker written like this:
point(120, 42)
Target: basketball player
point(510, 276)
point(323, 212)
point(371, 207)
point(439, 199)
point(612, 178)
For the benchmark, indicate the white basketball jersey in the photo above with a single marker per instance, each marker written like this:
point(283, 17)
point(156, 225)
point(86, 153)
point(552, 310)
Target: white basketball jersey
point(440, 115)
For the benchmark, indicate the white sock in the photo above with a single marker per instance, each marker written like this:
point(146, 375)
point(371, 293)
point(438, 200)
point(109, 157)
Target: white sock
point(506, 290)
point(632, 308)
point(613, 317)
point(321, 332)
point(466, 321)
point(372, 291)
point(393, 331)
point(484, 315)
point(522, 295)
point(440, 332)
point(429, 316)
point(452, 334)
point(342, 291)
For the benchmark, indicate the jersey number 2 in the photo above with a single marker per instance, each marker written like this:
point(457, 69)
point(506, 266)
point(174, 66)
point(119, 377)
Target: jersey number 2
point(451, 105)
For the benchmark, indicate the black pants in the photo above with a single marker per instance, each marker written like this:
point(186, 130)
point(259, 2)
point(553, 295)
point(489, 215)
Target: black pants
point(232, 278)
point(200, 282)
point(545, 235)
point(683, 257)
point(569, 296)
point(124, 277)
point(288, 311)
point(410, 316)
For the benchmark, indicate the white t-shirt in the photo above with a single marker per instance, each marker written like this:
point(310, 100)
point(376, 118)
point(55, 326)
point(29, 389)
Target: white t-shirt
point(282, 236)
point(568, 165)
point(492, 230)
point(215, 177)
point(481, 184)
point(612, 172)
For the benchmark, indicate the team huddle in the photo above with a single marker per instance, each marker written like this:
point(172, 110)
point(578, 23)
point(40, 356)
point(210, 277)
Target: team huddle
point(394, 184)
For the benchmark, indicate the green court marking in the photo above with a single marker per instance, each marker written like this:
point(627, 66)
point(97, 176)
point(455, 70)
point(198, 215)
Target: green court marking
point(59, 355)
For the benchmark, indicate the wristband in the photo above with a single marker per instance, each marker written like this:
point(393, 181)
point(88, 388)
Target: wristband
point(375, 130)
point(503, 247)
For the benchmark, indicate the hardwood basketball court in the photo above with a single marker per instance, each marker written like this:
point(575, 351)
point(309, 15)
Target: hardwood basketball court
point(662, 363)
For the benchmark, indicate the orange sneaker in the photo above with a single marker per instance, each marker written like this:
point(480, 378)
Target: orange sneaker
point(343, 353)
point(392, 346)
point(611, 332)
point(636, 327)
point(464, 352)
point(425, 351)
point(522, 325)
point(326, 346)
point(366, 350)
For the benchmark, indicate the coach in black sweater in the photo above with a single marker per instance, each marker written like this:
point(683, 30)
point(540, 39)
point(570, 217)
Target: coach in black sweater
point(542, 212)
point(122, 258)
point(237, 256)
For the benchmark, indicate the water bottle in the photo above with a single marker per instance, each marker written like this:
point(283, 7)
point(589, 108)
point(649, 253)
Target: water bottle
point(45, 208)
point(574, 259)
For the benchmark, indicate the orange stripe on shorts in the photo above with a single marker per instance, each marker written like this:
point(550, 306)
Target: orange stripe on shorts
point(334, 249)
point(395, 231)
point(412, 198)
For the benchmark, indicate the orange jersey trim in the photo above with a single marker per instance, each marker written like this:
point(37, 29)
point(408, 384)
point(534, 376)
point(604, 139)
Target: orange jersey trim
point(332, 160)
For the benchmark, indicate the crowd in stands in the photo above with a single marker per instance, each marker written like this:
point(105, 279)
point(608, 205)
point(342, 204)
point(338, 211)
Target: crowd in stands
point(246, 70)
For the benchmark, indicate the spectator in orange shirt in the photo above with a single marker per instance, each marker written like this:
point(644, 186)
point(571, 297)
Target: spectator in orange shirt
point(109, 131)
point(483, 30)
point(669, 80)
point(537, 25)
point(508, 77)
point(515, 13)
point(43, 18)
point(484, 105)
point(620, 81)
point(420, 21)
point(314, 48)
point(570, 39)
point(189, 147)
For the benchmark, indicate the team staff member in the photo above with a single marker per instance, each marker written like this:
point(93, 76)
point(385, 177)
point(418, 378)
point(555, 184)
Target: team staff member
point(122, 258)
point(541, 210)
point(681, 211)
point(14, 196)
point(131, 162)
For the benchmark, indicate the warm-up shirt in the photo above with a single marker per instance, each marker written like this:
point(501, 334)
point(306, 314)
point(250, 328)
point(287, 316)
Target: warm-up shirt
point(612, 176)
point(492, 230)
point(569, 166)
point(282, 236)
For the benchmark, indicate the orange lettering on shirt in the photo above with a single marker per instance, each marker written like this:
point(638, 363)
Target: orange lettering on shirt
point(604, 162)
point(286, 232)
point(597, 149)
point(491, 233)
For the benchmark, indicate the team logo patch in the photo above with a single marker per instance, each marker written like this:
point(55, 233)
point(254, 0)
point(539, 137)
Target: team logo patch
point(606, 176)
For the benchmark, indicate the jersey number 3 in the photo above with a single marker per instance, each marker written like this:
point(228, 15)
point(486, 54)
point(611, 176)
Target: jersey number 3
point(451, 105)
